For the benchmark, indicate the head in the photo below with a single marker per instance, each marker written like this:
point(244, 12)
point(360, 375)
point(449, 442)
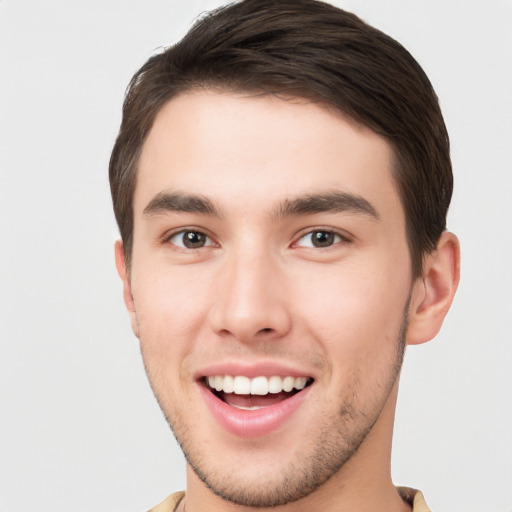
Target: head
point(310, 50)
point(281, 180)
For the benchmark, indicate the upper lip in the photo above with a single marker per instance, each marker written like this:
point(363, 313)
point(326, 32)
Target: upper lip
point(251, 370)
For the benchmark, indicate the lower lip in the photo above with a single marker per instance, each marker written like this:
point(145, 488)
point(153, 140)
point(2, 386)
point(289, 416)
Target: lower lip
point(257, 423)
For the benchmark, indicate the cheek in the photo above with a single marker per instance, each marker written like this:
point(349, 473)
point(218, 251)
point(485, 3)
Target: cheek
point(355, 313)
point(168, 311)
point(169, 307)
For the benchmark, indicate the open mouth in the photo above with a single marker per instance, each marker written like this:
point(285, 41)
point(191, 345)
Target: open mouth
point(248, 394)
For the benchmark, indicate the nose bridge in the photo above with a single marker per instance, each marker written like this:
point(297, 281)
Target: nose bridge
point(251, 301)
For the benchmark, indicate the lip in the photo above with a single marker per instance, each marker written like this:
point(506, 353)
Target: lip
point(257, 423)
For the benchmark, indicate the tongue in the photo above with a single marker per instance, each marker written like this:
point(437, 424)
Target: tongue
point(254, 400)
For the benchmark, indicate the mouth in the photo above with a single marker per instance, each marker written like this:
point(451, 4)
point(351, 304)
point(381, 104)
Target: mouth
point(252, 394)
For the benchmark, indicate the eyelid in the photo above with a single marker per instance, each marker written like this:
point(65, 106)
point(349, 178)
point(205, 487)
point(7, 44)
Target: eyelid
point(166, 239)
point(344, 237)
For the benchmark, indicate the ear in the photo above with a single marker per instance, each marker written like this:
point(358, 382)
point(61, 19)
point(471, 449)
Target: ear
point(124, 274)
point(433, 292)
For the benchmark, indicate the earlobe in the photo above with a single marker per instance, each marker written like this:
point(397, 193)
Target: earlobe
point(433, 293)
point(124, 274)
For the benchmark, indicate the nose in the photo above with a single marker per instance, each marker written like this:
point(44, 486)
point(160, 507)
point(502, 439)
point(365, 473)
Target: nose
point(251, 301)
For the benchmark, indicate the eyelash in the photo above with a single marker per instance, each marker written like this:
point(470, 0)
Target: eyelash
point(333, 238)
point(183, 232)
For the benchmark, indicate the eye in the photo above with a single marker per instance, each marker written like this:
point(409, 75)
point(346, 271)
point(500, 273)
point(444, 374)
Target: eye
point(190, 240)
point(319, 238)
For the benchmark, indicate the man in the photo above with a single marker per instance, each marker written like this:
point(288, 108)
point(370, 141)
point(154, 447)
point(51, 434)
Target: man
point(281, 180)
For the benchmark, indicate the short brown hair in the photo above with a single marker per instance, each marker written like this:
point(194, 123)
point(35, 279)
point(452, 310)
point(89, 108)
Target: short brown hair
point(313, 50)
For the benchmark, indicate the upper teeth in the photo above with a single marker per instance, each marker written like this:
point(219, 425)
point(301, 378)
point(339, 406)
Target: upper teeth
point(242, 385)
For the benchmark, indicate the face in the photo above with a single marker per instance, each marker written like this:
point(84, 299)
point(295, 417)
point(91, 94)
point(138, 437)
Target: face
point(269, 287)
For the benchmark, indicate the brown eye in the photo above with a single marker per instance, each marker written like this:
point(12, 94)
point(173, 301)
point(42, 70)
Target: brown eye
point(319, 238)
point(190, 240)
point(322, 238)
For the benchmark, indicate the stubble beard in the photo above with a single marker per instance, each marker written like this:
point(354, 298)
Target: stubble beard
point(338, 441)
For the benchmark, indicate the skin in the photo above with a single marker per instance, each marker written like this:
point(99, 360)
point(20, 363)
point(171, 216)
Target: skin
point(258, 291)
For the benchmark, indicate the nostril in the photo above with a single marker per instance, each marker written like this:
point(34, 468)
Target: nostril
point(266, 330)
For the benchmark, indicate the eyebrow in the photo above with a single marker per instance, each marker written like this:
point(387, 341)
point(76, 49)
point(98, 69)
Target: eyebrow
point(180, 202)
point(335, 202)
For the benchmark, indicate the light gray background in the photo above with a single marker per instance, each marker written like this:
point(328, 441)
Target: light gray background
point(80, 430)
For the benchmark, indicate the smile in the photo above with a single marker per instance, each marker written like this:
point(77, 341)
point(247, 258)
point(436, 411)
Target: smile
point(242, 385)
point(257, 406)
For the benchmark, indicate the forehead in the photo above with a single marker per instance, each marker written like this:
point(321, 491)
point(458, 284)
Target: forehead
point(262, 148)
